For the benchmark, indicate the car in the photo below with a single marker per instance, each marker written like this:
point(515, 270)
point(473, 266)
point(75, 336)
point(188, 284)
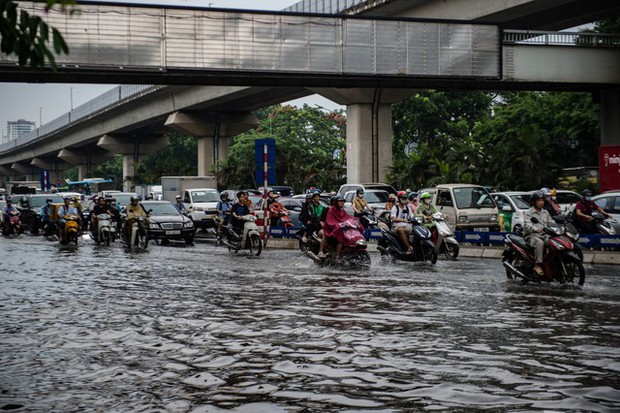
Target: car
point(513, 206)
point(565, 199)
point(374, 185)
point(293, 205)
point(123, 198)
point(467, 207)
point(376, 198)
point(286, 191)
point(202, 205)
point(78, 195)
point(610, 202)
point(37, 200)
point(167, 223)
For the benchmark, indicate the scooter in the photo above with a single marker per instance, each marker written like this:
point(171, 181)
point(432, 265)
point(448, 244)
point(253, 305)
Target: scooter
point(390, 245)
point(250, 239)
point(106, 232)
point(570, 231)
point(12, 226)
point(603, 225)
point(446, 243)
point(138, 233)
point(50, 231)
point(560, 262)
point(69, 233)
point(30, 221)
point(354, 251)
point(280, 216)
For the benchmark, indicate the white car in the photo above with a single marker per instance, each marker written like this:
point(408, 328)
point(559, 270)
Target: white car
point(610, 202)
point(515, 204)
point(202, 206)
point(565, 199)
point(376, 199)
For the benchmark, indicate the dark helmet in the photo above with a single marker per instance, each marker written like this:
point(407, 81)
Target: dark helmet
point(309, 195)
point(223, 196)
point(536, 195)
point(134, 198)
point(412, 195)
point(359, 191)
point(100, 199)
point(586, 192)
point(338, 198)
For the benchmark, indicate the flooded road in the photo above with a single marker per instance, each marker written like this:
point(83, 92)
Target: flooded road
point(198, 330)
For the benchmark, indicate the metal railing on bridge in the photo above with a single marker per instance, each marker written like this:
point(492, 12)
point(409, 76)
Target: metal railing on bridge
point(583, 39)
point(328, 6)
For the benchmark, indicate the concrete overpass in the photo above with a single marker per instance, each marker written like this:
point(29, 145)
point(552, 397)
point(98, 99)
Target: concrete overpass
point(472, 56)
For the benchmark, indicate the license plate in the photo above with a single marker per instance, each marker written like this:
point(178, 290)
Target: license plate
point(485, 229)
point(175, 232)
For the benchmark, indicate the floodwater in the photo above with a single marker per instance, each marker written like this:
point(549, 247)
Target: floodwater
point(199, 330)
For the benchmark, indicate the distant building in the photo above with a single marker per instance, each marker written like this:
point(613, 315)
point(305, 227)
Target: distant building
point(17, 128)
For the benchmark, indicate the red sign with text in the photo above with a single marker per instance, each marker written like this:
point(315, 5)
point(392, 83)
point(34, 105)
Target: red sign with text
point(608, 168)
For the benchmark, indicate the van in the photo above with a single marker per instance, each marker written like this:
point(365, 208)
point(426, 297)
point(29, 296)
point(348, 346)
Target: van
point(467, 207)
point(202, 205)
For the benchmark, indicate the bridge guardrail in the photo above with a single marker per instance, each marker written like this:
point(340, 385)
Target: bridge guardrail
point(547, 38)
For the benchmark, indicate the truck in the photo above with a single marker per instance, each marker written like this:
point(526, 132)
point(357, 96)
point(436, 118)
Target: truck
point(198, 193)
point(154, 192)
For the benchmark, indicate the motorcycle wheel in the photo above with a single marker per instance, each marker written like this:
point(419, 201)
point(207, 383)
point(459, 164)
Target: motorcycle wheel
point(143, 241)
point(451, 251)
point(106, 238)
point(571, 271)
point(579, 253)
point(256, 246)
point(303, 246)
point(510, 260)
point(364, 259)
point(430, 254)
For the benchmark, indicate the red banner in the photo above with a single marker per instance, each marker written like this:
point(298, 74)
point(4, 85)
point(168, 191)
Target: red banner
point(609, 168)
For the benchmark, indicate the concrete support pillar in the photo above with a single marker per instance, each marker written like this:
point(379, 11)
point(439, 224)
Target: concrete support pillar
point(84, 158)
point(26, 171)
point(55, 167)
point(369, 130)
point(133, 148)
point(213, 131)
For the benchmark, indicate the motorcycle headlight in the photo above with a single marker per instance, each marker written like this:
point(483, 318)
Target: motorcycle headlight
point(493, 218)
point(361, 242)
point(558, 245)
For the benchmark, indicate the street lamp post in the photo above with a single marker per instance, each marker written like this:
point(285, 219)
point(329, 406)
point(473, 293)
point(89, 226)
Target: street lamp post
point(40, 116)
point(71, 94)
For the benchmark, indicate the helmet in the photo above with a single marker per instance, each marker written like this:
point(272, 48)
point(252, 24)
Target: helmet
point(134, 198)
point(546, 191)
point(412, 195)
point(338, 198)
point(401, 194)
point(309, 195)
point(586, 192)
point(426, 195)
point(392, 197)
point(536, 195)
point(359, 191)
point(99, 199)
point(178, 197)
point(223, 195)
point(554, 192)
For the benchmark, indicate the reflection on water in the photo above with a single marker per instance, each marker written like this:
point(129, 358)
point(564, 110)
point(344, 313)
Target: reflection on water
point(199, 330)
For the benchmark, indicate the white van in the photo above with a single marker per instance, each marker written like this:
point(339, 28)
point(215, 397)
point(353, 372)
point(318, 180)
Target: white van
point(202, 205)
point(467, 207)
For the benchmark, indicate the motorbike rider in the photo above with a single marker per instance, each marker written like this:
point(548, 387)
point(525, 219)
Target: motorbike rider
point(583, 213)
point(336, 214)
point(550, 206)
point(63, 211)
point(360, 205)
point(7, 209)
point(46, 212)
point(313, 215)
point(413, 199)
point(401, 215)
point(113, 210)
point(238, 210)
point(179, 205)
point(534, 234)
point(134, 211)
point(99, 208)
point(391, 202)
point(425, 211)
point(223, 207)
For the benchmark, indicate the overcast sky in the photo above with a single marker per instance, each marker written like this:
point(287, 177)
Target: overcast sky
point(46, 102)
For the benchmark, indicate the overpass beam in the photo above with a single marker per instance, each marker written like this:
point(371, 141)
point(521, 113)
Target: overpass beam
point(609, 151)
point(55, 167)
point(213, 132)
point(25, 171)
point(133, 149)
point(369, 130)
point(84, 159)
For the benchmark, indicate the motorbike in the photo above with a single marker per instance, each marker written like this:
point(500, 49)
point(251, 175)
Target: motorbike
point(560, 262)
point(106, 232)
point(570, 231)
point(603, 225)
point(354, 252)
point(390, 245)
point(69, 233)
point(30, 221)
point(250, 239)
point(446, 243)
point(137, 234)
point(280, 216)
point(12, 226)
point(50, 230)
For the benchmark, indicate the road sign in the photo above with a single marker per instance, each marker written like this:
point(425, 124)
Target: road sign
point(265, 156)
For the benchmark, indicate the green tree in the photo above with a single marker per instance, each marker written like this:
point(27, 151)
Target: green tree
point(180, 158)
point(27, 35)
point(306, 141)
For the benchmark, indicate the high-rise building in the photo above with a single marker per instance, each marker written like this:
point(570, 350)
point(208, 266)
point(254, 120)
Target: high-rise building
point(17, 128)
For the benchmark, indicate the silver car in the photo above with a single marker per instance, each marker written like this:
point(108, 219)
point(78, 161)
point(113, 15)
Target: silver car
point(515, 204)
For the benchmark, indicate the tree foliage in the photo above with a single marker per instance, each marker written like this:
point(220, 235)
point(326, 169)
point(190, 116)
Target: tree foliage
point(180, 158)
point(306, 141)
point(27, 36)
